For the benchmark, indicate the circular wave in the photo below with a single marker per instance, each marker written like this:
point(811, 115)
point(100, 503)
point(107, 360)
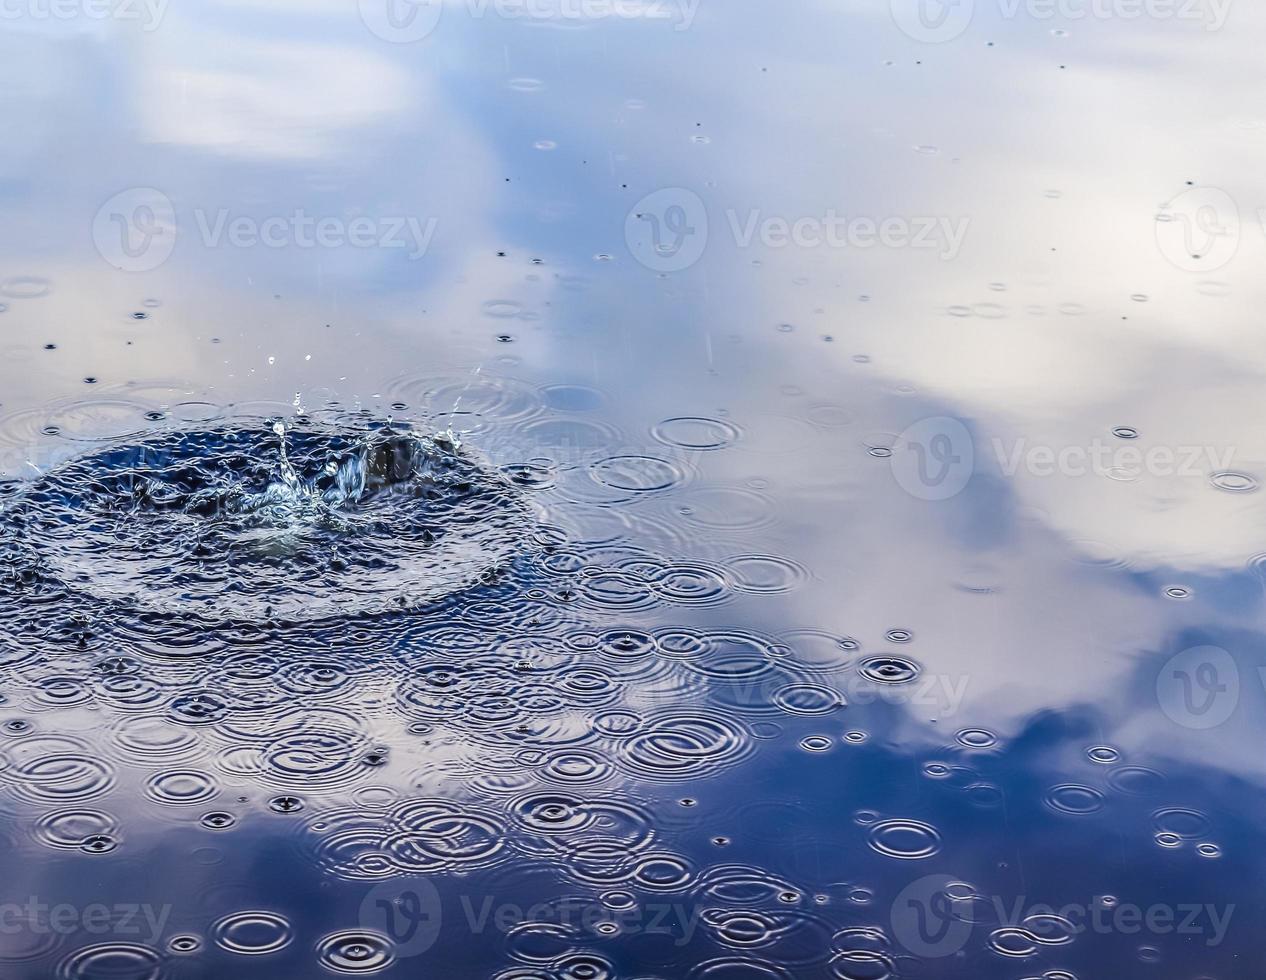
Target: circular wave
point(255, 521)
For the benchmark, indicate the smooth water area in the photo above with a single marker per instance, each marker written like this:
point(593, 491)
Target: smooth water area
point(646, 490)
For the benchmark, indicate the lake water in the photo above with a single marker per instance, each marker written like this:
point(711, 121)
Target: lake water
point(640, 489)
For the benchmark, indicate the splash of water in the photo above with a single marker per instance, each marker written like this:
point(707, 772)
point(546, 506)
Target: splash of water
point(309, 518)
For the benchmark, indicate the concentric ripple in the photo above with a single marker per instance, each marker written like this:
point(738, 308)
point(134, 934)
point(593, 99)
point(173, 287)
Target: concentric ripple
point(257, 521)
point(355, 952)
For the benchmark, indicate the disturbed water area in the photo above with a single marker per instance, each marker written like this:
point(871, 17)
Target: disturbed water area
point(563, 595)
point(617, 744)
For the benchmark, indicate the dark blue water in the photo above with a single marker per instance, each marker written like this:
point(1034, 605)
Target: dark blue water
point(640, 490)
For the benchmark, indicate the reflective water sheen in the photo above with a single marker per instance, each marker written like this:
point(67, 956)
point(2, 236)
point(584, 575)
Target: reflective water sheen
point(649, 490)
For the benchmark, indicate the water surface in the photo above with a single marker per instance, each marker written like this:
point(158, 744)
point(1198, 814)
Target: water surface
point(767, 492)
